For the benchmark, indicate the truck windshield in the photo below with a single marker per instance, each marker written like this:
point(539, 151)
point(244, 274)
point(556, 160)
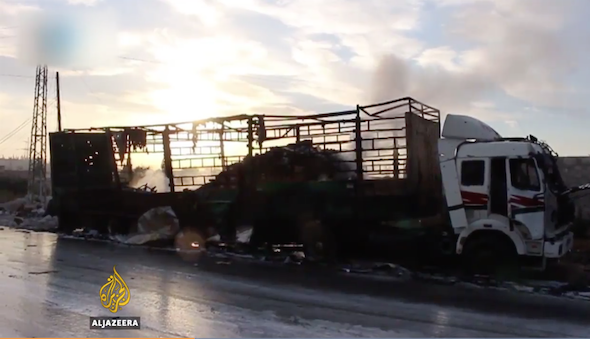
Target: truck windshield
point(523, 174)
point(548, 165)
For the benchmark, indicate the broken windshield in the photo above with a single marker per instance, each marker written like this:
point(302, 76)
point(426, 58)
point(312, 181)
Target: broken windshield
point(548, 165)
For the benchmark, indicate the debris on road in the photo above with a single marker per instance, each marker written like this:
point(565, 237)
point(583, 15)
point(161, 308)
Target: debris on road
point(43, 272)
point(157, 224)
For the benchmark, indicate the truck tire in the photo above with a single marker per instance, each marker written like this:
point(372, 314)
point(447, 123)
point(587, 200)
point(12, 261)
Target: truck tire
point(318, 240)
point(489, 253)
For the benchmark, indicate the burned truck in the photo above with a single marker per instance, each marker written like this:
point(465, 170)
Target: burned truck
point(377, 181)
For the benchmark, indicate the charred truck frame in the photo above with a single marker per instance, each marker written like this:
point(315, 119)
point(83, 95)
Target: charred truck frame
point(364, 182)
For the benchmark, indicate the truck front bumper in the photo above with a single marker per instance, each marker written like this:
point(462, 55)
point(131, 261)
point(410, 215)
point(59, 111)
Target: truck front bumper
point(559, 246)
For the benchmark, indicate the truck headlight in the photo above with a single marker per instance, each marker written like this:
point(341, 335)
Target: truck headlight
point(524, 231)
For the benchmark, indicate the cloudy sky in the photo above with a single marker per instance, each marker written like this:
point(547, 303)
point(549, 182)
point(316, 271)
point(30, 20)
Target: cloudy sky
point(521, 65)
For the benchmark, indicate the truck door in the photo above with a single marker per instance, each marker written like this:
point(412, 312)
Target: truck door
point(498, 187)
point(526, 195)
point(474, 187)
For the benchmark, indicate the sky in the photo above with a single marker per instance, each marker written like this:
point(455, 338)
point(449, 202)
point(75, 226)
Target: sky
point(519, 65)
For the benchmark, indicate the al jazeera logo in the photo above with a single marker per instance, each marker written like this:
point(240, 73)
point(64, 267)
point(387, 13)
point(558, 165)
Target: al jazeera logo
point(113, 296)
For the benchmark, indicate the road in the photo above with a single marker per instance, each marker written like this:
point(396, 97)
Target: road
point(51, 286)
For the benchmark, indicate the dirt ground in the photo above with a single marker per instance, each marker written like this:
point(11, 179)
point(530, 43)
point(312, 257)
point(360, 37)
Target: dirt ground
point(575, 267)
point(580, 253)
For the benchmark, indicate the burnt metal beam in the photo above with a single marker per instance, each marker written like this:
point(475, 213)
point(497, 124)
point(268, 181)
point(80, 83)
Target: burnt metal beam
point(168, 158)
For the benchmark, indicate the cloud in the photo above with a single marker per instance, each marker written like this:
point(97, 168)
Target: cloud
point(190, 59)
point(9, 23)
point(519, 48)
point(524, 46)
point(208, 12)
point(335, 44)
point(347, 17)
point(511, 123)
point(84, 2)
point(10, 9)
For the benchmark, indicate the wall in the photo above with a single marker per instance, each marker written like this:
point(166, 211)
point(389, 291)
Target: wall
point(14, 164)
point(17, 167)
point(576, 171)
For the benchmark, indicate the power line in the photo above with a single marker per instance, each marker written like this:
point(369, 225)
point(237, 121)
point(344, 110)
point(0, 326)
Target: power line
point(20, 127)
point(8, 75)
point(255, 77)
point(16, 76)
point(12, 133)
point(15, 131)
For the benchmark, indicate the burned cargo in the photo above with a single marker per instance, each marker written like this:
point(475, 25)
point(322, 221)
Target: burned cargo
point(379, 180)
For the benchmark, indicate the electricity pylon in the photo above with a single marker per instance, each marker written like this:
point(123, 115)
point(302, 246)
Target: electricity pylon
point(37, 184)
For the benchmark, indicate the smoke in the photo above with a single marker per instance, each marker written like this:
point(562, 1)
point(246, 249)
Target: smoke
point(440, 87)
point(62, 40)
point(153, 178)
point(435, 86)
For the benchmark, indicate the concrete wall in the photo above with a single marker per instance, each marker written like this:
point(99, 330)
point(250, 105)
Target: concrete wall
point(576, 171)
point(14, 164)
point(17, 167)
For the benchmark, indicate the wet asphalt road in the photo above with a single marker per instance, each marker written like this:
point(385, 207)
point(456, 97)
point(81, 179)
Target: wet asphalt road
point(51, 286)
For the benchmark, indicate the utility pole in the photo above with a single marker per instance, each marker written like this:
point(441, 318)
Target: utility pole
point(26, 149)
point(37, 185)
point(58, 103)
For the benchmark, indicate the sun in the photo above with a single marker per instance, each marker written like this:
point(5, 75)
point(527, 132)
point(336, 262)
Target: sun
point(186, 98)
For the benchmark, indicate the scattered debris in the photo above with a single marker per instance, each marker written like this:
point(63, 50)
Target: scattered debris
point(43, 272)
point(157, 224)
point(46, 223)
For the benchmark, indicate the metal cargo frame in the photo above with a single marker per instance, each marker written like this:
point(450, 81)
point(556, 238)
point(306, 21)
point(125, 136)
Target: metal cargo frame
point(375, 141)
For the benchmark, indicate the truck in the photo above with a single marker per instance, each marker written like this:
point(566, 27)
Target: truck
point(504, 195)
point(405, 187)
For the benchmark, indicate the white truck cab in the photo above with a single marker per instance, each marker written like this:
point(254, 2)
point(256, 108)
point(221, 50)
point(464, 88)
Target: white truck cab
point(505, 196)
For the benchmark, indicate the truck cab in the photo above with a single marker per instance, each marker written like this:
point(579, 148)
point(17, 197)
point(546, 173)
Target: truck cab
point(505, 196)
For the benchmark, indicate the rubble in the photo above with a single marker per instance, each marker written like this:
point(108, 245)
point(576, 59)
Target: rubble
point(46, 223)
point(157, 224)
point(24, 206)
point(26, 214)
point(34, 223)
point(243, 235)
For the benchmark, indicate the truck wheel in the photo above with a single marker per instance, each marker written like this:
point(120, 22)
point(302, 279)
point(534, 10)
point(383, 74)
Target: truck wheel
point(318, 240)
point(489, 254)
